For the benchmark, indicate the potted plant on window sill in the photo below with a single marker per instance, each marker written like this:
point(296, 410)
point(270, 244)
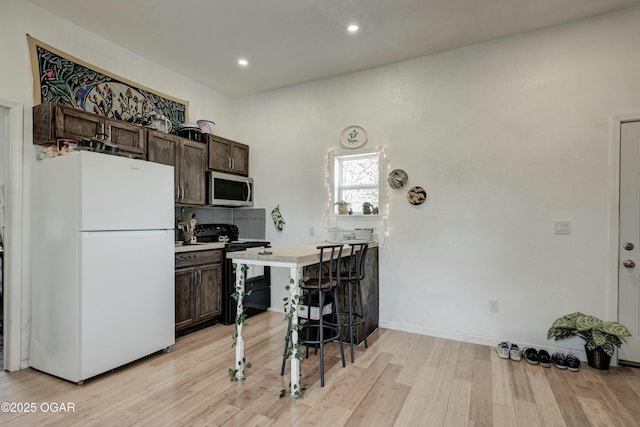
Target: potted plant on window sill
point(600, 337)
point(343, 207)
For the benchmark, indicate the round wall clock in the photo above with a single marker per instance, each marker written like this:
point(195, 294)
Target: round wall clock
point(353, 137)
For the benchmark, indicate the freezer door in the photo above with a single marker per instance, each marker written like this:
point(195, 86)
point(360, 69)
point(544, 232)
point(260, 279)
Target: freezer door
point(120, 193)
point(127, 297)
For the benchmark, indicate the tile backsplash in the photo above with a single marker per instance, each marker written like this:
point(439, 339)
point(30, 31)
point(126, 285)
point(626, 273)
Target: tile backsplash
point(251, 222)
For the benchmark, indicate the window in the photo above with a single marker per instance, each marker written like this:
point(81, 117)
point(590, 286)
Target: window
point(356, 180)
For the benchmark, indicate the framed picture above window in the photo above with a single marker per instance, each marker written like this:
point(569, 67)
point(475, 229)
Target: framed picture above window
point(357, 179)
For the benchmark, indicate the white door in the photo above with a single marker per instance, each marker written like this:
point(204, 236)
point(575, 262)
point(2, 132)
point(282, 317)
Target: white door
point(4, 136)
point(629, 258)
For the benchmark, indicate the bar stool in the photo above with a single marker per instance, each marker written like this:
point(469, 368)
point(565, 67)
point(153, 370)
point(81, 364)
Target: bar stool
point(353, 280)
point(315, 292)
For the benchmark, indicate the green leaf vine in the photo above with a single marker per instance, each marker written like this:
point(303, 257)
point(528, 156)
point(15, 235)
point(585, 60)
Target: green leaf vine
point(241, 318)
point(233, 372)
point(290, 305)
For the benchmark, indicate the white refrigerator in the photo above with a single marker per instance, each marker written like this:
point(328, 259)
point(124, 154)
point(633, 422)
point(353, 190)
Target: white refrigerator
point(103, 277)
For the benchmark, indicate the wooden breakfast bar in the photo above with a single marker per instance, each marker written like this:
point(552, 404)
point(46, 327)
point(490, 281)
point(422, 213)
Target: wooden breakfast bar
point(296, 259)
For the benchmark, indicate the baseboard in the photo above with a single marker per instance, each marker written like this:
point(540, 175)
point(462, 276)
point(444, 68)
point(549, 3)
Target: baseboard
point(478, 339)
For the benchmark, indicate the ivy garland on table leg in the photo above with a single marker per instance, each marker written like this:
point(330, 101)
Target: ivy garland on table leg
point(290, 306)
point(241, 317)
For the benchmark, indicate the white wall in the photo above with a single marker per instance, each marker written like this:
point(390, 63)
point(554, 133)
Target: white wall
point(506, 137)
point(19, 18)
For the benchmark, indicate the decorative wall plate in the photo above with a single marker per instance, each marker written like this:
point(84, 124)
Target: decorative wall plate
point(417, 195)
point(397, 178)
point(353, 137)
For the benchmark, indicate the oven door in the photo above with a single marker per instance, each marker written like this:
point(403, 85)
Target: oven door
point(258, 282)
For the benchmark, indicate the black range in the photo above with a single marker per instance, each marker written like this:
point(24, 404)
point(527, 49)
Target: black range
point(258, 281)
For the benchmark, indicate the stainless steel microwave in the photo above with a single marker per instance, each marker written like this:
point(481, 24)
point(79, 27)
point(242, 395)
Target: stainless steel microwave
point(229, 190)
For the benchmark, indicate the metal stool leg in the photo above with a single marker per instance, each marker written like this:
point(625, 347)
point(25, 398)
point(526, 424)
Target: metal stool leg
point(364, 332)
point(286, 348)
point(352, 337)
point(339, 325)
point(321, 338)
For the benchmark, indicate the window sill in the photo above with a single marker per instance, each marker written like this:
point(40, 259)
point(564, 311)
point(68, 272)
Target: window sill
point(359, 216)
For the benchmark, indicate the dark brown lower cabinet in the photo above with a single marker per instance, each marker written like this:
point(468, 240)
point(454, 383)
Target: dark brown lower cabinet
point(198, 287)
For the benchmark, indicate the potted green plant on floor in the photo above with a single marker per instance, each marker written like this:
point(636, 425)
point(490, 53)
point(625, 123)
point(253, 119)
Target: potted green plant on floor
point(601, 338)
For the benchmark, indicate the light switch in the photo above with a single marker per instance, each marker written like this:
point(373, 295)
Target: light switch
point(561, 227)
point(494, 306)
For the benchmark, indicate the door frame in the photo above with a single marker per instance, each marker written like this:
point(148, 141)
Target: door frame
point(13, 303)
point(615, 123)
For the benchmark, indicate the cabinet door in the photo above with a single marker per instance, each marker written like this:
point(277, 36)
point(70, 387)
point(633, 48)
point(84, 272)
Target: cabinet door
point(208, 298)
point(239, 159)
point(192, 164)
point(185, 285)
point(219, 159)
point(76, 124)
point(162, 148)
point(128, 137)
point(43, 123)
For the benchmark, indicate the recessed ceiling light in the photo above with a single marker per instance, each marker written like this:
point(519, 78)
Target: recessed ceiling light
point(243, 62)
point(352, 28)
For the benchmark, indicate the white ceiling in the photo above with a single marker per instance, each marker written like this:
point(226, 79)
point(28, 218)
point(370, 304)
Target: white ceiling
point(294, 41)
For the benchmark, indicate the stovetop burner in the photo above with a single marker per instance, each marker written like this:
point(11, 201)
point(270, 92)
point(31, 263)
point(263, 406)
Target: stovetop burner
point(213, 233)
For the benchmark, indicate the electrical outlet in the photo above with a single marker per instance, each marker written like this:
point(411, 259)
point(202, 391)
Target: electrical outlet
point(312, 230)
point(494, 306)
point(561, 227)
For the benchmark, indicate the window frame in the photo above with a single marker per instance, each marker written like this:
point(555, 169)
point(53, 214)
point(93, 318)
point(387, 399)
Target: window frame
point(333, 186)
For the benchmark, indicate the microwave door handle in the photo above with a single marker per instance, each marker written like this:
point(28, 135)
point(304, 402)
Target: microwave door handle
point(248, 191)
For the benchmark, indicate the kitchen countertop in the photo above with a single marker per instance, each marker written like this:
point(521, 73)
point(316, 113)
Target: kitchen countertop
point(199, 247)
point(299, 254)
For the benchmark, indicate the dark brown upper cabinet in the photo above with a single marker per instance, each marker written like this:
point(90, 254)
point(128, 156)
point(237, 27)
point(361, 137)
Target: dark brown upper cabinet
point(189, 158)
point(55, 121)
point(227, 156)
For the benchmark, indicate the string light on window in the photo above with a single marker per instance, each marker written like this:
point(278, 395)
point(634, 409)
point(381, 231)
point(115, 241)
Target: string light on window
point(387, 206)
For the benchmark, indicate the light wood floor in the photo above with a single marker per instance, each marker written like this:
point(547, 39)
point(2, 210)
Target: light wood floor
point(403, 379)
